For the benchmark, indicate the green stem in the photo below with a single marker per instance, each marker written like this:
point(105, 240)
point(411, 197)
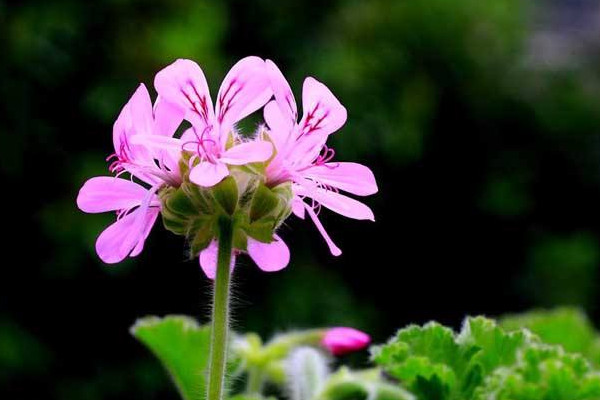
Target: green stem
point(220, 312)
point(255, 381)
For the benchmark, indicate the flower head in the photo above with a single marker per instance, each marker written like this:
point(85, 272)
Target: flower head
point(303, 157)
point(137, 204)
point(211, 171)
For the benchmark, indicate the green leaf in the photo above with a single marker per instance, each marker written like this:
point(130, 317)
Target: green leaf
point(182, 346)
point(543, 372)
point(568, 327)
point(490, 347)
point(434, 363)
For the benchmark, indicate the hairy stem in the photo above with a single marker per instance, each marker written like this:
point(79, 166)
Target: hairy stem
point(220, 312)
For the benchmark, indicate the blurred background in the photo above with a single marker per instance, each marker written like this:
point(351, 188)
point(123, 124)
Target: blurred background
point(480, 119)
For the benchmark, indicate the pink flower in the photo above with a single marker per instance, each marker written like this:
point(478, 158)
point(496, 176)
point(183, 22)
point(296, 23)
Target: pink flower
point(244, 90)
point(137, 205)
point(341, 340)
point(303, 157)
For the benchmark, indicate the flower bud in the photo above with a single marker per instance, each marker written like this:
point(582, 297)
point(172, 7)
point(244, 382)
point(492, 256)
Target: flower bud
point(341, 340)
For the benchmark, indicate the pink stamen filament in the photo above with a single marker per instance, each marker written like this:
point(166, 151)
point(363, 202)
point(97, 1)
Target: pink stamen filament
point(202, 150)
point(121, 157)
point(327, 155)
point(332, 246)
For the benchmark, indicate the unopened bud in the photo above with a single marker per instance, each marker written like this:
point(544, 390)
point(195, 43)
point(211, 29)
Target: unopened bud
point(342, 340)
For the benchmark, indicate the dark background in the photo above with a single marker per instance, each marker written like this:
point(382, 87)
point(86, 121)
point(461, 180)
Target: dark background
point(480, 119)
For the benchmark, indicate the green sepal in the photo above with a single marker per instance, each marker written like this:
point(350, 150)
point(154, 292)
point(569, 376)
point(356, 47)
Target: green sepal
point(179, 203)
point(173, 224)
point(264, 202)
point(255, 168)
point(203, 231)
point(226, 194)
point(262, 230)
point(240, 240)
point(200, 197)
point(173, 220)
point(284, 193)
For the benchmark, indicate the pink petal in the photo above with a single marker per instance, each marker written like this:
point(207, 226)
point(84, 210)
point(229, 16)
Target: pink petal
point(126, 235)
point(208, 260)
point(269, 257)
point(306, 149)
point(141, 111)
point(208, 174)
point(298, 207)
point(167, 117)
point(283, 93)
point(189, 136)
point(342, 340)
point(106, 193)
point(248, 152)
point(135, 119)
point(122, 127)
point(183, 83)
point(350, 177)
point(245, 89)
point(323, 113)
point(280, 127)
point(157, 142)
point(336, 202)
point(332, 247)
point(149, 221)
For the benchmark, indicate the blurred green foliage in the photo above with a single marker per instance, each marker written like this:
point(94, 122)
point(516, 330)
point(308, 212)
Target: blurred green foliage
point(20, 352)
point(395, 61)
point(563, 270)
point(568, 327)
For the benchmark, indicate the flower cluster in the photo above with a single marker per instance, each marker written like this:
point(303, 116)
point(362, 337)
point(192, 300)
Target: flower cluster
point(184, 159)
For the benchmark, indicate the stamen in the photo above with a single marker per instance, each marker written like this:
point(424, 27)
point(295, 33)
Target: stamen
point(332, 247)
point(326, 155)
point(122, 157)
point(205, 146)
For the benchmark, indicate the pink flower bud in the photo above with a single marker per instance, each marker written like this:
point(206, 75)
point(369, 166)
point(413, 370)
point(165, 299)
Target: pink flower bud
point(341, 340)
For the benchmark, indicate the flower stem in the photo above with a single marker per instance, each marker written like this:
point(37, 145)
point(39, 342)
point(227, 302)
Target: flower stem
point(220, 313)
